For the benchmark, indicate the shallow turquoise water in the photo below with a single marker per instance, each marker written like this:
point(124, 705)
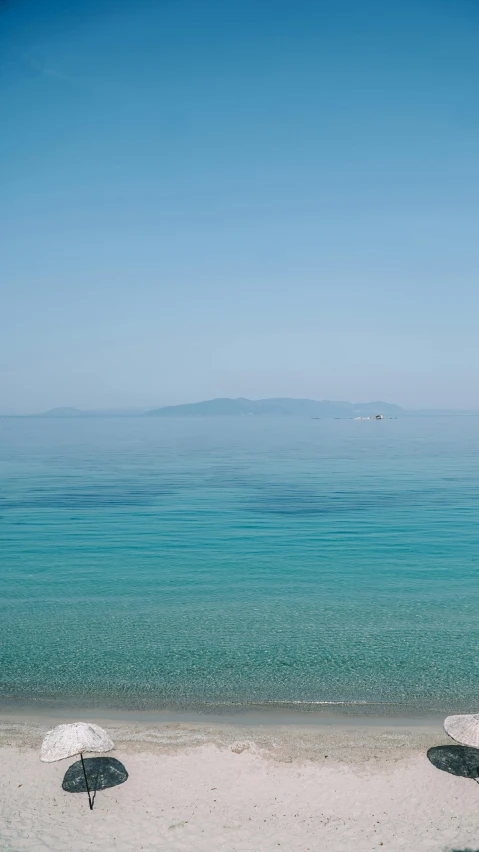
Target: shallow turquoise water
point(151, 563)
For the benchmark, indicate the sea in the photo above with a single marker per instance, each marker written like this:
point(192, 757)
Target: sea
point(215, 565)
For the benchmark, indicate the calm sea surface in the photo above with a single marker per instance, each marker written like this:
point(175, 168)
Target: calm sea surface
point(194, 563)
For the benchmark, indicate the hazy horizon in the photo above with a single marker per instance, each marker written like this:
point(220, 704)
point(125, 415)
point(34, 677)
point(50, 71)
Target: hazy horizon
point(239, 199)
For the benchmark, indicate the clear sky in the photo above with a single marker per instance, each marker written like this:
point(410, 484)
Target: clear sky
point(251, 198)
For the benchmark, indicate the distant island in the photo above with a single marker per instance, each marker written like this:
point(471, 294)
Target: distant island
point(275, 407)
point(68, 411)
point(62, 411)
point(282, 406)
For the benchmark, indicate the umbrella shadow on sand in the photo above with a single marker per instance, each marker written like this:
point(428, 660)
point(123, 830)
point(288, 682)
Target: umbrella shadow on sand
point(101, 774)
point(457, 760)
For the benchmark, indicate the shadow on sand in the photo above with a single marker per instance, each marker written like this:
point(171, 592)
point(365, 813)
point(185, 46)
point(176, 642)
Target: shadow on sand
point(101, 772)
point(458, 760)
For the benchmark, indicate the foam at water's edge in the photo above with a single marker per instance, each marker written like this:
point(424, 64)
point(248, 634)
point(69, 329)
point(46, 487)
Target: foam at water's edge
point(266, 714)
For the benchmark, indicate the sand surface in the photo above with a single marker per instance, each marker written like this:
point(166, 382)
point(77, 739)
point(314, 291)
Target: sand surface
point(222, 787)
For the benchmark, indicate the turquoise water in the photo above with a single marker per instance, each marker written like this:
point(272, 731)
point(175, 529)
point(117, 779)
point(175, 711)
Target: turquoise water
point(149, 563)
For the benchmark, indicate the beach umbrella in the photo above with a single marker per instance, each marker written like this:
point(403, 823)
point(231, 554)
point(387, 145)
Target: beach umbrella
point(76, 738)
point(464, 729)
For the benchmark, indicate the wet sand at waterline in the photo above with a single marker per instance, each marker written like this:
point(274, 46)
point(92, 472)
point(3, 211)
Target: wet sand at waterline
point(211, 786)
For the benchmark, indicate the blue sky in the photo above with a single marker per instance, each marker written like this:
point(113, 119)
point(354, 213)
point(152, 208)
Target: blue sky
point(238, 199)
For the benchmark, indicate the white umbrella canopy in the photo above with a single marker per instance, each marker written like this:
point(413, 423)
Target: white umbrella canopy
point(464, 729)
point(76, 738)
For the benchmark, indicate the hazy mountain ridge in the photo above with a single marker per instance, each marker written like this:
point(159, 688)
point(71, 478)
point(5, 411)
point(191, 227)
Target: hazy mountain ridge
point(275, 406)
point(282, 406)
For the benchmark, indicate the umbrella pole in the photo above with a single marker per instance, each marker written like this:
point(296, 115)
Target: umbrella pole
point(86, 782)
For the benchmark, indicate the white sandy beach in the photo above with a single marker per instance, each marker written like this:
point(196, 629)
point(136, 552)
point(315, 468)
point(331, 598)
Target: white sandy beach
point(208, 787)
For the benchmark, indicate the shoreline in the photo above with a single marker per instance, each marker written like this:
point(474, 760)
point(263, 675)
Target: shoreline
point(361, 713)
point(350, 739)
point(247, 717)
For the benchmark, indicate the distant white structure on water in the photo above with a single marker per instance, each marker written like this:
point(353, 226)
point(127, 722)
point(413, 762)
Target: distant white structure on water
point(376, 417)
